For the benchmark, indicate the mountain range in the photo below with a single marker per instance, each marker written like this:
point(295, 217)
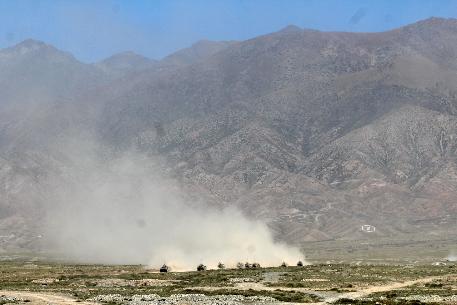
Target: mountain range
point(315, 133)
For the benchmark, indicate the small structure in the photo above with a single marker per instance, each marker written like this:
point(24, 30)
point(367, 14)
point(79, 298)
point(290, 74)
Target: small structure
point(220, 266)
point(201, 267)
point(368, 228)
point(300, 264)
point(164, 268)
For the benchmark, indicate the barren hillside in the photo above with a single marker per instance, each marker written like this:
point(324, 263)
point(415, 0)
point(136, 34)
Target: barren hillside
point(317, 133)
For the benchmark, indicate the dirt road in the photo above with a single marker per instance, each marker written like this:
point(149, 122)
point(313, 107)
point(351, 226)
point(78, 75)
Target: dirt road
point(43, 298)
point(382, 288)
point(330, 297)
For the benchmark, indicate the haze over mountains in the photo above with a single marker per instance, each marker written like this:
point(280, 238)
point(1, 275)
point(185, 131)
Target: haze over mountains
point(316, 133)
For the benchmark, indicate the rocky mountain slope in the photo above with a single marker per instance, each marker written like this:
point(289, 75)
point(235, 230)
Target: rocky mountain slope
point(317, 133)
point(124, 63)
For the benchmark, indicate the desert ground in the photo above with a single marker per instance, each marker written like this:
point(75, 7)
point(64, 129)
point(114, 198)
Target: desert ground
point(42, 283)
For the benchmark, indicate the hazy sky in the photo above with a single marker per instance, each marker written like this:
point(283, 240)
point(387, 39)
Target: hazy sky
point(95, 29)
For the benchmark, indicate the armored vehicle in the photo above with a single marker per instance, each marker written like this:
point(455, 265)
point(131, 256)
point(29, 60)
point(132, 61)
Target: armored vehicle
point(164, 268)
point(201, 267)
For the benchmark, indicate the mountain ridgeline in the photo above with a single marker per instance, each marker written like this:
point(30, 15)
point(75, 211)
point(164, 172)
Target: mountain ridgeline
point(315, 133)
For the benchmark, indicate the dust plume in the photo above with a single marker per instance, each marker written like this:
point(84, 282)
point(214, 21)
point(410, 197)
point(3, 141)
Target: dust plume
point(452, 257)
point(123, 210)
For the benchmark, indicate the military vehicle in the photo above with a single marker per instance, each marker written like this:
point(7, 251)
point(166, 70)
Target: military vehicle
point(201, 267)
point(164, 268)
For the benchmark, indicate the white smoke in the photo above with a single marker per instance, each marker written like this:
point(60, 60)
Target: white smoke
point(452, 257)
point(122, 210)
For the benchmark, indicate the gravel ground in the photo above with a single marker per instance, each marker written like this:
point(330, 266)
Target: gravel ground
point(272, 277)
point(241, 280)
point(431, 298)
point(134, 283)
point(188, 299)
point(46, 281)
point(5, 299)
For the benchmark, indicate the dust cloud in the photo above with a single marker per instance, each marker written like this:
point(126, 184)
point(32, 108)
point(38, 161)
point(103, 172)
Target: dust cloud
point(123, 210)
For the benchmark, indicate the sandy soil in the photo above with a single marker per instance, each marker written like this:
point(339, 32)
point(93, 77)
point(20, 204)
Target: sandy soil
point(330, 296)
point(42, 298)
point(383, 288)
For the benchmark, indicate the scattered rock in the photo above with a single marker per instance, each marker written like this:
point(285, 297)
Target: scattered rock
point(241, 280)
point(178, 299)
point(45, 281)
point(431, 298)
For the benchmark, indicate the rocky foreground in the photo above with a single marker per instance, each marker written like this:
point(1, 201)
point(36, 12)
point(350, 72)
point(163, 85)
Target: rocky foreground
point(188, 299)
